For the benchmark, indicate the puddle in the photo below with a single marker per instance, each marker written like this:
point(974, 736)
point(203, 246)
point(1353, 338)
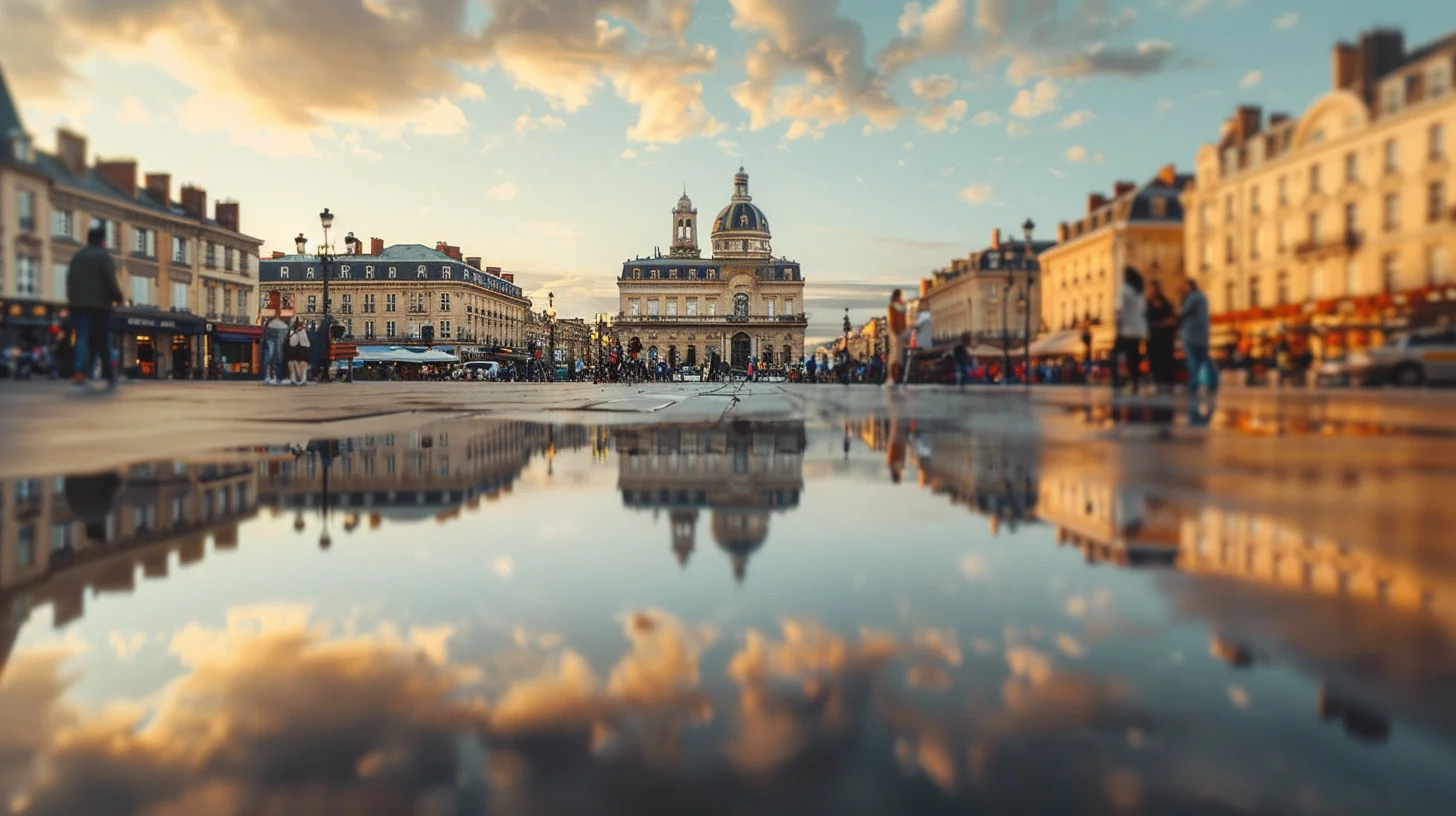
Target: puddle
point(876, 617)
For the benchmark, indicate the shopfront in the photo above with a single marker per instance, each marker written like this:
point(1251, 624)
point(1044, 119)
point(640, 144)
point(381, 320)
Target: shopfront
point(28, 324)
point(158, 345)
point(234, 350)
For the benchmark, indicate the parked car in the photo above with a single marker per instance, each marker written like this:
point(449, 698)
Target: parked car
point(483, 370)
point(1411, 359)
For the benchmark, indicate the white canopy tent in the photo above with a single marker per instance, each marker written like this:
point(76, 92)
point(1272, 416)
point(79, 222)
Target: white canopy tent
point(404, 354)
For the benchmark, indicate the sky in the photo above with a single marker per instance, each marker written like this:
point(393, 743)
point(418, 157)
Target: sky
point(553, 137)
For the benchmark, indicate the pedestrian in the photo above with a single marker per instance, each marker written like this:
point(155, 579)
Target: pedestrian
point(1162, 338)
point(296, 352)
point(275, 331)
point(1193, 331)
point(896, 325)
point(91, 291)
point(962, 356)
point(923, 333)
point(1132, 329)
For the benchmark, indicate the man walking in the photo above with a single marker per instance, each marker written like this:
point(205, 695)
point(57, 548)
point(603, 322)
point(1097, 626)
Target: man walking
point(91, 291)
point(1193, 331)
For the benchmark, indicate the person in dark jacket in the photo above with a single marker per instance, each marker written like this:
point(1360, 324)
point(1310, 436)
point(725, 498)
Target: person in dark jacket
point(1162, 338)
point(91, 291)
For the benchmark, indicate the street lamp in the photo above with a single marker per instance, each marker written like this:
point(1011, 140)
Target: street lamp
point(325, 257)
point(551, 334)
point(846, 346)
point(1027, 228)
point(1006, 328)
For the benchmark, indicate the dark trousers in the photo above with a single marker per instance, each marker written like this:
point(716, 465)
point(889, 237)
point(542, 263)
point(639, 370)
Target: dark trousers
point(93, 342)
point(1130, 351)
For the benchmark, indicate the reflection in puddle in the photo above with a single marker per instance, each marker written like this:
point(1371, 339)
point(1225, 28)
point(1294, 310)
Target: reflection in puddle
point(482, 619)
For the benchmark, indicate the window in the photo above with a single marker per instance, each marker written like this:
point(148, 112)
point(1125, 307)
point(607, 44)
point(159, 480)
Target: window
point(634, 307)
point(59, 271)
point(1352, 167)
point(712, 307)
point(141, 291)
point(179, 296)
point(179, 250)
point(771, 306)
point(63, 224)
point(369, 303)
point(1314, 178)
point(25, 546)
point(1352, 219)
point(1392, 156)
point(1229, 255)
point(1314, 227)
point(1160, 208)
point(445, 329)
point(25, 210)
point(1394, 96)
point(788, 306)
point(209, 255)
point(1228, 208)
point(1281, 288)
point(1253, 291)
point(389, 329)
point(672, 307)
point(1230, 296)
point(652, 307)
point(1440, 79)
point(144, 242)
point(1254, 206)
point(692, 307)
point(740, 305)
point(227, 300)
point(1316, 282)
point(389, 303)
point(113, 232)
point(1390, 271)
point(313, 303)
point(1392, 211)
point(347, 304)
point(1436, 265)
point(1254, 244)
point(1352, 276)
point(1283, 191)
point(444, 301)
point(1436, 137)
point(368, 329)
point(1436, 201)
point(211, 301)
point(27, 276)
point(1282, 235)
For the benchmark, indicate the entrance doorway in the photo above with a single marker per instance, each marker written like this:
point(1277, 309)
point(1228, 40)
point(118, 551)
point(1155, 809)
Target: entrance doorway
point(742, 348)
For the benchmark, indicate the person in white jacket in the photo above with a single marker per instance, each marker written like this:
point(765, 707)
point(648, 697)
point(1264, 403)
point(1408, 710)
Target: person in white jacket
point(1132, 329)
point(296, 352)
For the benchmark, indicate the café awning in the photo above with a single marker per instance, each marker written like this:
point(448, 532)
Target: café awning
point(404, 354)
point(1062, 342)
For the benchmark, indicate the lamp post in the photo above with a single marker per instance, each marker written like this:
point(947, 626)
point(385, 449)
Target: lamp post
point(1026, 229)
point(551, 334)
point(325, 257)
point(846, 346)
point(1006, 329)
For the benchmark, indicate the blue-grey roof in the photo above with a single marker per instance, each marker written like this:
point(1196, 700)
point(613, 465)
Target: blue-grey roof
point(9, 114)
point(399, 262)
point(741, 216)
point(690, 269)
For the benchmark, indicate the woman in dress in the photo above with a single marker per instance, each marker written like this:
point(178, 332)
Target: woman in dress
point(1132, 329)
point(296, 352)
point(1162, 338)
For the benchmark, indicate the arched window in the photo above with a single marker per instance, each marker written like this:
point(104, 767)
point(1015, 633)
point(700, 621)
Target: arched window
point(740, 305)
point(421, 271)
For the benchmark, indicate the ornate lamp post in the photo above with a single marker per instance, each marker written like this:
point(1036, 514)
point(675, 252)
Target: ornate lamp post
point(846, 346)
point(551, 335)
point(1027, 228)
point(325, 258)
point(1006, 328)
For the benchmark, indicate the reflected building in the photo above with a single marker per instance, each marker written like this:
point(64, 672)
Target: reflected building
point(740, 473)
point(414, 475)
point(1108, 517)
point(989, 474)
point(63, 535)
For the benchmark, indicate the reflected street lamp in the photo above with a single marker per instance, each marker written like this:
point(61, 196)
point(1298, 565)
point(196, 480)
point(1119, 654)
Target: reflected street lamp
point(846, 346)
point(325, 258)
point(1027, 228)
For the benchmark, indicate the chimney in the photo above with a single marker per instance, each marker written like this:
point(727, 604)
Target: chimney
point(924, 287)
point(122, 175)
point(71, 148)
point(1250, 122)
point(494, 270)
point(996, 238)
point(1345, 66)
point(159, 187)
point(474, 261)
point(1062, 232)
point(454, 252)
point(1277, 119)
point(1122, 188)
point(277, 254)
point(508, 277)
point(194, 201)
point(1095, 201)
point(1381, 51)
point(226, 214)
point(376, 246)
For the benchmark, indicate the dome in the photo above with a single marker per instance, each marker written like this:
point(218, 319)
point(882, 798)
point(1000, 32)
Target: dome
point(741, 229)
point(741, 216)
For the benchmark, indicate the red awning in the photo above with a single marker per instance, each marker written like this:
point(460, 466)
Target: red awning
point(237, 328)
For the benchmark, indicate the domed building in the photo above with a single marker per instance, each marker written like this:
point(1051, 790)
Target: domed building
point(741, 304)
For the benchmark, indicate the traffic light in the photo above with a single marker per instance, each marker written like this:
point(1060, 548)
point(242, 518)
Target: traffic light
point(427, 334)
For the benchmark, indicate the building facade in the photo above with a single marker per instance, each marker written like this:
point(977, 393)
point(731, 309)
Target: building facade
point(985, 295)
point(390, 295)
point(189, 279)
point(1140, 226)
point(1339, 224)
point(741, 304)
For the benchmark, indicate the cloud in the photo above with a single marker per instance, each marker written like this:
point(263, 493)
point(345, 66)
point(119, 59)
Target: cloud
point(503, 192)
point(1057, 173)
point(1075, 119)
point(974, 566)
point(949, 171)
point(133, 112)
point(503, 566)
point(1192, 7)
point(1078, 153)
point(932, 88)
point(1285, 22)
point(1033, 102)
point(986, 118)
point(525, 124)
point(977, 193)
point(440, 117)
point(938, 29)
point(629, 153)
point(940, 116)
point(356, 147)
point(1016, 129)
point(1251, 79)
point(1164, 105)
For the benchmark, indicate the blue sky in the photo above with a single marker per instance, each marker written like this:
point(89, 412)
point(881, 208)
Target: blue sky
point(552, 139)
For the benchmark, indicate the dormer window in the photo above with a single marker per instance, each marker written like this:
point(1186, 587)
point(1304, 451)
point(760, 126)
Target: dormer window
point(369, 273)
point(422, 271)
point(344, 272)
point(743, 220)
point(1160, 208)
point(1440, 79)
point(283, 273)
point(636, 274)
point(391, 273)
point(1394, 96)
point(308, 273)
point(673, 274)
point(445, 273)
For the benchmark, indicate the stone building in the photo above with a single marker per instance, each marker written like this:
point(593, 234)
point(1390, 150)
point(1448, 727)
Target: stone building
point(189, 279)
point(1140, 226)
point(1337, 224)
point(742, 303)
point(987, 291)
point(390, 294)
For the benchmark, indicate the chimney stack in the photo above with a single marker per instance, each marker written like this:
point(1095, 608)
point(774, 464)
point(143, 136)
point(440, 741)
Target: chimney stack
point(277, 254)
point(376, 246)
point(194, 201)
point(1095, 202)
point(1381, 51)
point(71, 149)
point(1250, 120)
point(1277, 119)
point(1062, 232)
point(226, 214)
point(159, 187)
point(1122, 188)
point(1345, 66)
point(996, 238)
point(122, 174)
point(924, 287)
point(473, 260)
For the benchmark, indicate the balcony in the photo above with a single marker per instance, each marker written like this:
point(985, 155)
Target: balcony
point(790, 319)
point(1343, 244)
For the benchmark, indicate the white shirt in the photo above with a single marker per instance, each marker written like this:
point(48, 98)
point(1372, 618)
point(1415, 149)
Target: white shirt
point(299, 338)
point(1132, 313)
point(922, 329)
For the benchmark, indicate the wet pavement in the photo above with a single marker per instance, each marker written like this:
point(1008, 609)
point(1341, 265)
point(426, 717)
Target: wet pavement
point(757, 601)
